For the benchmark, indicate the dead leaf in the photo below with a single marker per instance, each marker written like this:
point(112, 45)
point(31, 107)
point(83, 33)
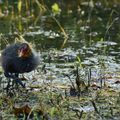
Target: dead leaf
point(117, 82)
point(22, 110)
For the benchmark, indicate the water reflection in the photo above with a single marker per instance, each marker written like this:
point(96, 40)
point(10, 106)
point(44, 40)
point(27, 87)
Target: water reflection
point(92, 31)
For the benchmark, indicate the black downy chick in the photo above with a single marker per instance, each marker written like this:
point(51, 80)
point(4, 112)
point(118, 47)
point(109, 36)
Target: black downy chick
point(18, 58)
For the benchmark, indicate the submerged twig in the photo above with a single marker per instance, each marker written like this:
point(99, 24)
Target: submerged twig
point(89, 76)
point(95, 107)
point(73, 86)
point(61, 28)
point(78, 112)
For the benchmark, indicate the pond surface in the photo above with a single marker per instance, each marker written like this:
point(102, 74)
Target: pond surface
point(92, 47)
point(93, 40)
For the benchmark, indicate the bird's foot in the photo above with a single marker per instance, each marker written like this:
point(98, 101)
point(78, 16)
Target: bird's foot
point(15, 78)
point(19, 82)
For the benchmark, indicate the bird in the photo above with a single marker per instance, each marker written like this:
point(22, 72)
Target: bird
point(18, 58)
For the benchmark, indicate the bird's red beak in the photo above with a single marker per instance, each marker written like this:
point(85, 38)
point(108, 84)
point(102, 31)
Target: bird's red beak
point(20, 53)
point(24, 53)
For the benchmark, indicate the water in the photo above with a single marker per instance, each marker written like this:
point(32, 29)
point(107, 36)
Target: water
point(92, 49)
point(93, 38)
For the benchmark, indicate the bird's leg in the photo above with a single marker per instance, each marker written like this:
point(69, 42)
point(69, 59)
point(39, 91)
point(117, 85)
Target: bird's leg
point(8, 85)
point(8, 75)
point(9, 80)
point(17, 80)
point(15, 77)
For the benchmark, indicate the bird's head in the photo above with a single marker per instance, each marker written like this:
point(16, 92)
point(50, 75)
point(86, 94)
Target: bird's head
point(24, 50)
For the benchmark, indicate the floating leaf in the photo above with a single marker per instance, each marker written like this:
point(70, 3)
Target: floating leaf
point(1, 70)
point(101, 39)
point(20, 25)
point(55, 8)
point(19, 5)
point(52, 111)
point(79, 61)
point(22, 110)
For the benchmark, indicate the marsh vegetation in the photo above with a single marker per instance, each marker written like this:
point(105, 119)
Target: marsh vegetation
point(79, 46)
